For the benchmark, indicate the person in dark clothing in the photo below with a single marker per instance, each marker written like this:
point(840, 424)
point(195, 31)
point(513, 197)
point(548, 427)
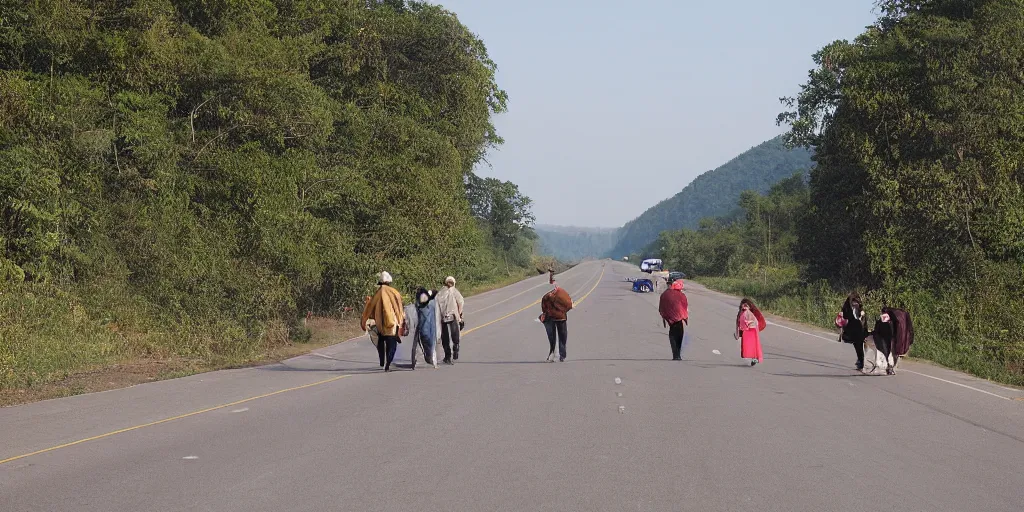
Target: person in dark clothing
point(854, 329)
point(674, 309)
point(893, 334)
point(554, 308)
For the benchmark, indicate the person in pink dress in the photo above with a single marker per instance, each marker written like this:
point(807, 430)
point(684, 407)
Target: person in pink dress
point(749, 324)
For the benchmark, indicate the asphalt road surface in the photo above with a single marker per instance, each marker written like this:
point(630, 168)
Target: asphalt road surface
point(618, 426)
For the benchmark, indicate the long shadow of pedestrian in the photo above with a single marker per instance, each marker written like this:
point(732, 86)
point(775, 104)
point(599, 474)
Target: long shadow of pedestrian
point(365, 366)
point(821, 375)
point(823, 364)
point(571, 360)
point(332, 369)
point(707, 366)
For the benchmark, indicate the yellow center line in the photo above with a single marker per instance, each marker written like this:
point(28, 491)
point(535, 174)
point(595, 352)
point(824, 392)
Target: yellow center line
point(250, 399)
point(592, 289)
point(504, 300)
point(528, 306)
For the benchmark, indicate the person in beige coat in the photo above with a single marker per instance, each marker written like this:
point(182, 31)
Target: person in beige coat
point(450, 303)
point(384, 314)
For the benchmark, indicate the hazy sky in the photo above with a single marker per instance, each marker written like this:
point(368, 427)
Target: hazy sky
point(614, 106)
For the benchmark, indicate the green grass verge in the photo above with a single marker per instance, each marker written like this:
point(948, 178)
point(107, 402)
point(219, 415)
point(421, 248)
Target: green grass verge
point(952, 331)
point(50, 334)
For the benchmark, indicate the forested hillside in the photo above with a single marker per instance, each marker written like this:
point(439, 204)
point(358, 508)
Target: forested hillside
point(570, 243)
point(917, 198)
point(183, 178)
point(713, 193)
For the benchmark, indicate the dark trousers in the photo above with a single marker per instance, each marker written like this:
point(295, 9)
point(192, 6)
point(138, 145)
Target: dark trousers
point(675, 339)
point(386, 348)
point(859, 347)
point(450, 339)
point(557, 328)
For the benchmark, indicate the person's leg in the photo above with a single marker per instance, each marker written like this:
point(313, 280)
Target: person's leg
point(446, 342)
point(428, 351)
point(392, 347)
point(885, 346)
point(675, 338)
point(456, 335)
point(563, 337)
point(433, 353)
point(415, 348)
point(859, 347)
point(549, 327)
point(381, 350)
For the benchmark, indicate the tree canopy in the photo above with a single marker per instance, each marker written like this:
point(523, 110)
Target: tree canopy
point(919, 141)
point(229, 164)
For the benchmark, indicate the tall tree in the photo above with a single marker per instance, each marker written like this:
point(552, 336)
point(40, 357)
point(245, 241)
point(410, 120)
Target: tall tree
point(917, 130)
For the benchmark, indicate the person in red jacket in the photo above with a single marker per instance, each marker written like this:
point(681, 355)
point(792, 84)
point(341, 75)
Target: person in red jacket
point(675, 313)
point(554, 306)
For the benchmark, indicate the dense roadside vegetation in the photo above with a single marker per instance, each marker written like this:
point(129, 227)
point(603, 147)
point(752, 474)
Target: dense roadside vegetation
point(917, 196)
point(187, 179)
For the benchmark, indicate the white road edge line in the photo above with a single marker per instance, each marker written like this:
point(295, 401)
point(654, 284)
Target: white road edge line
point(972, 388)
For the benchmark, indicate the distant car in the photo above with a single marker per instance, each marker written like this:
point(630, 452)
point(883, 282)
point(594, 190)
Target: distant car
point(643, 286)
point(651, 265)
point(673, 276)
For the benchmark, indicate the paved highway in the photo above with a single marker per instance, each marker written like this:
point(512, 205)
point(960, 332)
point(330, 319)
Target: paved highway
point(503, 430)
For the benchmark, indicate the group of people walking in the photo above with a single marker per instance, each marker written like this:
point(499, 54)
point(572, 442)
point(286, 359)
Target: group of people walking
point(432, 315)
point(437, 315)
point(891, 337)
point(675, 315)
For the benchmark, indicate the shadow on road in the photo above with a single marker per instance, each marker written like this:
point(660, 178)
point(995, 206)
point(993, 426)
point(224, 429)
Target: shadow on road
point(364, 367)
point(823, 364)
point(570, 360)
point(822, 375)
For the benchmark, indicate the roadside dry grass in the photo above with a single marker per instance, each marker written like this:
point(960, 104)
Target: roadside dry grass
point(134, 370)
point(130, 372)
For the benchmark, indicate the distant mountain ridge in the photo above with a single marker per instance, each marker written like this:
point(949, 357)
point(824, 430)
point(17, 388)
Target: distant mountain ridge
point(571, 243)
point(713, 193)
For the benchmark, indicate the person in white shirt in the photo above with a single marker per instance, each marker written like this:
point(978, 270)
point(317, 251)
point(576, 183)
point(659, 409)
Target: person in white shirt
point(450, 302)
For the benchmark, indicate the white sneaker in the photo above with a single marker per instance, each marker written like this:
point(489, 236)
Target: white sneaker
point(551, 357)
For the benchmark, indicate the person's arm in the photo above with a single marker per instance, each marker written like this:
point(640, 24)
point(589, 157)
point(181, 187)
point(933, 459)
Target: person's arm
point(399, 307)
point(367, 311)
point(460, 301)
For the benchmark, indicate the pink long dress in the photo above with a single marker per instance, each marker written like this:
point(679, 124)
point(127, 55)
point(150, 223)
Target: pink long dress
point(750, 344)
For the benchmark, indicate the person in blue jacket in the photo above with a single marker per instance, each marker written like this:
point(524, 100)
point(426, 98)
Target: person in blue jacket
point(428, 328)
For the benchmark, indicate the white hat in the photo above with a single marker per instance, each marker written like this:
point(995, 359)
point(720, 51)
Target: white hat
point(450, 281)
point(385, 278)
